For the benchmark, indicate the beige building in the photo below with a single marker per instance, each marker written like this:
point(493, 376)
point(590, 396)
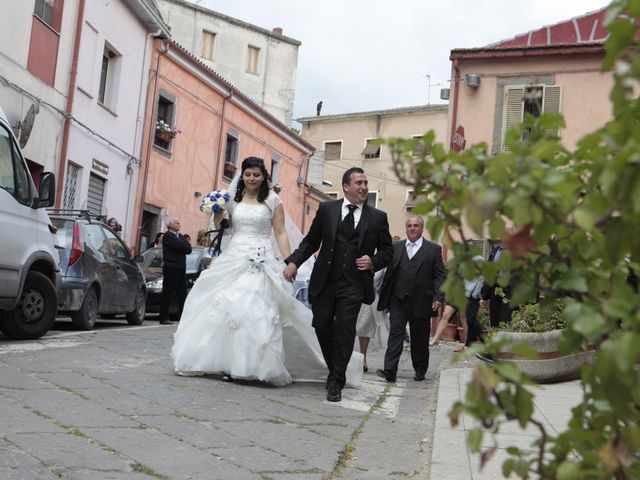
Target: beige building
point(345, 141)
point(557, 68)
point(261, 63)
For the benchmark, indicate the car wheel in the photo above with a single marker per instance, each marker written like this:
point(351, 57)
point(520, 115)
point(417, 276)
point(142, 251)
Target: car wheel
point(85, 318)
point(36, 311)
point(136, 317)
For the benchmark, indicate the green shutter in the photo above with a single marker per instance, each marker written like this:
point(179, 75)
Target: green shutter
point(513, 109)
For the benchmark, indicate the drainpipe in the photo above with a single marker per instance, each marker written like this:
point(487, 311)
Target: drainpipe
point(454, 119)
point(69, 107)
point(128, 228)
point(161, 51)
point(306, 159)
point(266, 68)
point(216, 168)
point(456, 92)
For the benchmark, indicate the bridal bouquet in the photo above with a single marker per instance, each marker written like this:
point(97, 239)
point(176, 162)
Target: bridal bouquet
point(214, 202)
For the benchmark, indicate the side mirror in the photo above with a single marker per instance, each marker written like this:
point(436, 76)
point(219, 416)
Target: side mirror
point(138, 258)
point(47, 195)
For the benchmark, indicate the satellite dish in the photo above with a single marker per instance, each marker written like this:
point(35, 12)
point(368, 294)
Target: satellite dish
point(26, 125)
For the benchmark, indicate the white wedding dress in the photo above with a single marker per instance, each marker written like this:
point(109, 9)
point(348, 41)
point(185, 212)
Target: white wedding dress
point(241, 319)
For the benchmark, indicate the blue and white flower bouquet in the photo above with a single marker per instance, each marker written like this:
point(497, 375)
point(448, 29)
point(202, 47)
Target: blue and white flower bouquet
point(214, 202)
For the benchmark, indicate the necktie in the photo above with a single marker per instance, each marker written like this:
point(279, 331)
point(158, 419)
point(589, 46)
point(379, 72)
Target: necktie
point(411, 250)
point(349, 220)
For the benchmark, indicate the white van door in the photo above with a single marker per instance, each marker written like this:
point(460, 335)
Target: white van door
point(18, 219)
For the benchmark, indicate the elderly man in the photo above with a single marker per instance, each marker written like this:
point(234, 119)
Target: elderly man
point(175, 249)
point(411, 292)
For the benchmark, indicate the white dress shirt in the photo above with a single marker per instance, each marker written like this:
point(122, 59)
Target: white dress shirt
point(357, 213)
point(413, 247)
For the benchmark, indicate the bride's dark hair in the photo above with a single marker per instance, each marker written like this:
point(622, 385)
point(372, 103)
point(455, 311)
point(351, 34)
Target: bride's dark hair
point(251, 162)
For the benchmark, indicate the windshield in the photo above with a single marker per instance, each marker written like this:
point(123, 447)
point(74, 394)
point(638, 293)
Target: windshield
point(153, 259)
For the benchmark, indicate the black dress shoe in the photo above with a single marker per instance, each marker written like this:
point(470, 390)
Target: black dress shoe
point(165, 322)
point(418, 377)
point(381, 374)
point(334, 394)
point(365, 369)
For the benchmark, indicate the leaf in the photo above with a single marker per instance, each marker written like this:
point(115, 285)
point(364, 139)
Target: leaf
point(585, 218)
point(608, 457)
point(520, 241)
point(525, 350)
point(572, 280)
point(474, 439)
point(524, 406)
point(568, 471)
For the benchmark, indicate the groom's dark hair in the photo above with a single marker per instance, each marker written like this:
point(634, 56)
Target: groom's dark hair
point(346, 177)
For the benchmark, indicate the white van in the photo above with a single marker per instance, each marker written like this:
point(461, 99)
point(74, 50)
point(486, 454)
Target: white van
point(29, 261)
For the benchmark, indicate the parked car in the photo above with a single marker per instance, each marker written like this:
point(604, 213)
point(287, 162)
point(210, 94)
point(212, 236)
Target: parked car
point(151, 263)
point(99, 276)
point(29, 261)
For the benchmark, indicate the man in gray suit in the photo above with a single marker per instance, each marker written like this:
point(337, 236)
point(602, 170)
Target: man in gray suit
point(411, 292)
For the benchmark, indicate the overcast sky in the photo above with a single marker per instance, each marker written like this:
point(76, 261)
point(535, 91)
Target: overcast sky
point(360, 55)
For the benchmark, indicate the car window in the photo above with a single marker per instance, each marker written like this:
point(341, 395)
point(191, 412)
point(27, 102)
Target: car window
point(193, 259)
point(13, 175)
point(152, 258)
point(95, 239)
point(118, 250)
point(64, 235)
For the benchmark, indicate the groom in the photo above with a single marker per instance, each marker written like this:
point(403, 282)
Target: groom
point(354, 242)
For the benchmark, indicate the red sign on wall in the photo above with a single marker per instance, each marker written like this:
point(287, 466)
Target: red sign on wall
point(458, 141)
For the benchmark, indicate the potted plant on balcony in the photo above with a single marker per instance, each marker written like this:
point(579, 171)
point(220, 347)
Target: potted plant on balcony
point(165, 132)
point(230, 170)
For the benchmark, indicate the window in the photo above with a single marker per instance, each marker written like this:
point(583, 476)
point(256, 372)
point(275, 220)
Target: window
point(275, 168)
point(332, 150)
point(109, 78)
point(95, 196)
point(371, 149)
point(420, 149)
point(372, 199)
point(71, 186)
point(253, 59)
point(231, 155)
point(45, 10)
point(332, 194)
point(13, 172)
point(208, 44)
point(165, 121)
point(409, 202)
point(532, 99)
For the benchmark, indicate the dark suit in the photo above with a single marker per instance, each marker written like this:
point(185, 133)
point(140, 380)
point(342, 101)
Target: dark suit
point(408, 290)
point(337, 288)
point(174, 258)
point(499, 311)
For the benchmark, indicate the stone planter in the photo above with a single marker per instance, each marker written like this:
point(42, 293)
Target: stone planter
point(551, 366)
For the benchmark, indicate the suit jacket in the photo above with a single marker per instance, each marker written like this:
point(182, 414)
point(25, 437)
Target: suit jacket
point(374, 240)
point(430, 276)
point(174, 250)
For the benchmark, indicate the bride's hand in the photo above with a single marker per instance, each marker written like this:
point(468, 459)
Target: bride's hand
point(290, 272)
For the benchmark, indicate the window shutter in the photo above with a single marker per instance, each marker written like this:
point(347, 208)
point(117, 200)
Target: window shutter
point(551, 102)
point(332, 150)
point(513, 110)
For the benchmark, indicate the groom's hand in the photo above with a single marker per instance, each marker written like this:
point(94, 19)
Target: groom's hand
point(364, 263)
point(290, 272)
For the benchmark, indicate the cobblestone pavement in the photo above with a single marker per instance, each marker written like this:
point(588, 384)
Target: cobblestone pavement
point(107, 405)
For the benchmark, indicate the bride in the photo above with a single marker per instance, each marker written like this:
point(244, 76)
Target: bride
point(240, 319)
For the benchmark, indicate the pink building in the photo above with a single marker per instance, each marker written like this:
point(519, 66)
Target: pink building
point(555, 68)
point(216, 127)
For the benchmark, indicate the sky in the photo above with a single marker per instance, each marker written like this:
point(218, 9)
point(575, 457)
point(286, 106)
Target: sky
point(362, 55)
